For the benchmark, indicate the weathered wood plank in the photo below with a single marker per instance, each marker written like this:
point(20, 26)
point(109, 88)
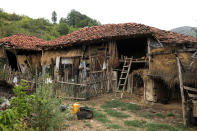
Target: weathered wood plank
point(192, 95)
point(191, 89)
point(182, 91)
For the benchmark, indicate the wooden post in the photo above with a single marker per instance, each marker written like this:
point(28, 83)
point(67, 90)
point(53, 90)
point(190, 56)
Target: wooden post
point(182, 91)
point(132, 86)
point(149, 57)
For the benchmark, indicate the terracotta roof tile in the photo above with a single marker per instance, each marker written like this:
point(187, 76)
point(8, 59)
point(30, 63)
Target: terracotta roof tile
point(116, 31)
point(172, 37)
point(20, 41)
point(96, 33)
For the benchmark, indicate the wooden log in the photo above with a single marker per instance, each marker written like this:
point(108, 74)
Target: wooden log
point(182, 91)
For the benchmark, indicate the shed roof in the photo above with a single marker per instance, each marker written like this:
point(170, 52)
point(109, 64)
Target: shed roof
point(169, 37)
point(21, 41)
point(101, 33)
point(118, 31)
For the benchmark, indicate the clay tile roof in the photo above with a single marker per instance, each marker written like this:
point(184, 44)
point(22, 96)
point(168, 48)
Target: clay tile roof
point(20, 41)
point(117, 31)
point(172, 37)
point(99, 33)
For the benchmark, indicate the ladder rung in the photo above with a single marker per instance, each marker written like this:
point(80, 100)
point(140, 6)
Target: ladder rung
point(125, 66)
point(122, 84)
point(122, 78)
point(129, 58)
point(124, 72)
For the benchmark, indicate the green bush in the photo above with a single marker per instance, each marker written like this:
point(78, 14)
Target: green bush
point(23, 102)
point(20, 108)
point(46, 113)
point(10, 121)
point(40, 111)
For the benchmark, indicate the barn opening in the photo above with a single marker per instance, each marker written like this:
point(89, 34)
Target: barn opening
point(135, 48)
point(12, 60)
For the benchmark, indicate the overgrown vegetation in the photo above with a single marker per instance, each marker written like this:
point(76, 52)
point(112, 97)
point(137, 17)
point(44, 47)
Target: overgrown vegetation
point(114, 126)
point(100, 117)
point(123, 106)
point(39, 111)
point(135, 123)
point(20, 108)
point(115, 113)
point(46, 113)
point(149, 126)
point(149, 115)
point(15, 24)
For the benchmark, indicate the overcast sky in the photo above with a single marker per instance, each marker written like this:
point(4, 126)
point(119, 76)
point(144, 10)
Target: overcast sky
point(163, 14)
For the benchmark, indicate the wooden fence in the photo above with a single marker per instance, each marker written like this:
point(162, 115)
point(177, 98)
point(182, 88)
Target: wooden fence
point(65, 89)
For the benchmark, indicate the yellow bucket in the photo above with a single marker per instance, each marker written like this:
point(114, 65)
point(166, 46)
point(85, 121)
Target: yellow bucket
point(76, 107)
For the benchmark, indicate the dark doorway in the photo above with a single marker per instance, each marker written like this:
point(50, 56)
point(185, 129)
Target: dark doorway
point(12, 60)
point(135, 47)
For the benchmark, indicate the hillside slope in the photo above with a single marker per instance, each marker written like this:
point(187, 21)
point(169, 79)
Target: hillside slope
point(42, 28)
point(186, 30)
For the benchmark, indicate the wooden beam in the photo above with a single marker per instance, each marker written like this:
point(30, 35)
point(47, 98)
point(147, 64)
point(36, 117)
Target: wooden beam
point(182, 91)
point(190, 89)
point(149, 51)
point(192, 95)
point(172, 52)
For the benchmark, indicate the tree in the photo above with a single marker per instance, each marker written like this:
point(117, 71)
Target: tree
point(63, 28)
point(54, 17)
point(76, 19)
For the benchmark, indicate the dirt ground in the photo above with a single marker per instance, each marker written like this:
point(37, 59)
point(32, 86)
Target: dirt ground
point(146, 113)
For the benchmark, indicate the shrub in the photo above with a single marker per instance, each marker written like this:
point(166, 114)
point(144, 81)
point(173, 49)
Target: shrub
point(20, 108)
point(9, 121)
point(22, 102)
point(46, 113)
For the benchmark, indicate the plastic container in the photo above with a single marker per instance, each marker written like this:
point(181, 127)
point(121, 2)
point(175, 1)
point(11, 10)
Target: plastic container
point(76, 107)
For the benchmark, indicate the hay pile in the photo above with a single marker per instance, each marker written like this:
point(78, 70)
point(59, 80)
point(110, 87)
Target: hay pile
point(164, 66)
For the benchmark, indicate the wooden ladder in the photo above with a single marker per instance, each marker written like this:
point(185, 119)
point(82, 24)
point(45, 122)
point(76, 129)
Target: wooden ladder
point(124, 76)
